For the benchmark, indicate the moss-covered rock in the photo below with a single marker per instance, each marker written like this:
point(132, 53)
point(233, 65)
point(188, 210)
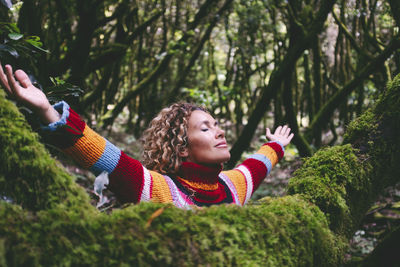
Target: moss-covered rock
point(29, 176)
point(344, 180)
point(46, 219)
point(338, 183)
point(280, 232)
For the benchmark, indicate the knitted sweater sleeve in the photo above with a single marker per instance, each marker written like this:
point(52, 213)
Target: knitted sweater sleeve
point(247, 176)
point(128, 178)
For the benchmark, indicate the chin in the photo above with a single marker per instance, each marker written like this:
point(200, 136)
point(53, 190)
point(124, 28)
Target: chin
point(228, 157)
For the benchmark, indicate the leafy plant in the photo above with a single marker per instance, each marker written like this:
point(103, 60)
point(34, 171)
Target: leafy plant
point(17, 49)
point(22, 51)
point(61, 90)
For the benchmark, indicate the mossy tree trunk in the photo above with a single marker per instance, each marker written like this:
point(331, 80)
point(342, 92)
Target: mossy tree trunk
point(46, 219)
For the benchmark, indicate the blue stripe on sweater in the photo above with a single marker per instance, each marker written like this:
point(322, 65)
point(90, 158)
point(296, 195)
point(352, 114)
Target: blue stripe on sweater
point(108, 160)
point(63, 108)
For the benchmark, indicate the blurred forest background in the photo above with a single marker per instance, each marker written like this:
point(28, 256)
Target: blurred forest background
point(313, 64)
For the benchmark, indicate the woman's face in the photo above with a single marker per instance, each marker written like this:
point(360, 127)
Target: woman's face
point(207, 144)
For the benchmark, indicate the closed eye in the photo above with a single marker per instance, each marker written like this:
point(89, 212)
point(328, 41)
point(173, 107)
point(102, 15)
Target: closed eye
point(204, 130)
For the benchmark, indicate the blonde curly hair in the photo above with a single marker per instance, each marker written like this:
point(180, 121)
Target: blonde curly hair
point(166, 137)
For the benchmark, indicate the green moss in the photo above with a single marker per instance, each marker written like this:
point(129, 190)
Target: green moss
point(375, 133)
point(279, 232)
point(335, 180)
point(343, 180)
point(28, 174)
point(388, 104)
point(361, 129)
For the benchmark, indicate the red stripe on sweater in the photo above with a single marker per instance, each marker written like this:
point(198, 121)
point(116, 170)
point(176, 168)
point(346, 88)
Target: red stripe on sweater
point(67, 135)
point(127, 179)
point(210, 197)
point(258, 171)
point(75, 121)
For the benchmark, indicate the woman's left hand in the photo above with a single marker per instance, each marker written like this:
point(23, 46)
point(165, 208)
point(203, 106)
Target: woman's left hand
point(282, 135)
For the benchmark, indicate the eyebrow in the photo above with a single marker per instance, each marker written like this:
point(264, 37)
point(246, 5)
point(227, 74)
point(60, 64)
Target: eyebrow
point(208, 123)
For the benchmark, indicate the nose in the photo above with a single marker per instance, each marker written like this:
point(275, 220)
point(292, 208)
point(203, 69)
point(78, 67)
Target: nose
point(220, 133)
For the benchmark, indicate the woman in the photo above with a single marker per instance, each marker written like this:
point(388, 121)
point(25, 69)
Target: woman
point(184, 150)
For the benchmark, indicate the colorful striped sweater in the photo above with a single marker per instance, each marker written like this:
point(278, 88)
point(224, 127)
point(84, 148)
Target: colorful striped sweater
point(132, 182)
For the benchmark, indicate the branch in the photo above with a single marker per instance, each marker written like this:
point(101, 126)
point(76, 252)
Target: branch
point(120, 10)
point(108, 54)
point(276, 80)
point(325, 113)
point(110, 116)
point(174, 93)
point(142, 27)
point(350, 37)
point(162, 66)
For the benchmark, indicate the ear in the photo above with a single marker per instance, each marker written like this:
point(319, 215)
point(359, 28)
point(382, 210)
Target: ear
point(184, 153)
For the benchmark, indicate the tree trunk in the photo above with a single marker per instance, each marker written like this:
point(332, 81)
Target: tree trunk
point(395, 10)
point(325, 113)
point(276, 80)
point(46, 219)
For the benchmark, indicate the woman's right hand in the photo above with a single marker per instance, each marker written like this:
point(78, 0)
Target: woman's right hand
point(281, 134)
point(25, 92)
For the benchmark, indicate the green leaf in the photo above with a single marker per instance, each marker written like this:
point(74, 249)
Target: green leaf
point(35, 42)
point(15, 36)
point(62, 89)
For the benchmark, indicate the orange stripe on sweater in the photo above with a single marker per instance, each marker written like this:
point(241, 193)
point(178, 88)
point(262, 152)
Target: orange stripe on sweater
point(239, 181)
point(160, 191)
point(88, 149)
point(198, 185)
point(269, 153)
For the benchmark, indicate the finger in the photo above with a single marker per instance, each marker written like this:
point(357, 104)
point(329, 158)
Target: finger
point(23, 78)
point(287, 132)
point(290, 137)
point(278, 130)
point(11, 81)
point(268, 133)
point(285, 129)
point(4, 81)
point(282, 130)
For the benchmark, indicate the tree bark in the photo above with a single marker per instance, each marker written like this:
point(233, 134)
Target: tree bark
point(395, 10)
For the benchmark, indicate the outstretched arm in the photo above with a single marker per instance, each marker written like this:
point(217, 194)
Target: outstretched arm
point(71, 134)
point(19, 86)
point(246, 177)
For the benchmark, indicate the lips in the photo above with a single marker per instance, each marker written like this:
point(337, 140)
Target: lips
point(222, 145)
